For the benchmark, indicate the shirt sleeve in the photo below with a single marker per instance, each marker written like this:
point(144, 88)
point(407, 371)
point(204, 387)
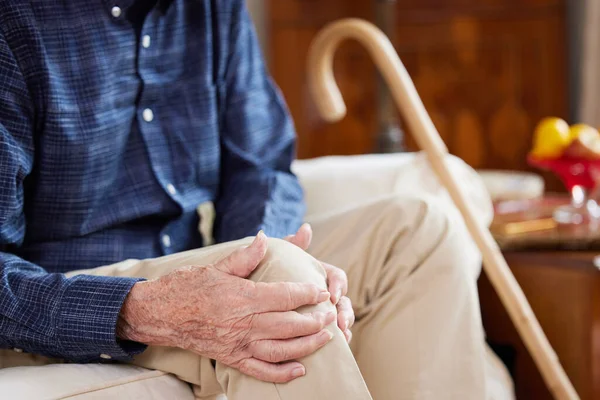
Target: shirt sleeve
point(43, 313)
point(258, 189)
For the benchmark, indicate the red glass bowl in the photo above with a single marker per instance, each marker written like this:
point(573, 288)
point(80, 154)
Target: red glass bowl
point(571, 171)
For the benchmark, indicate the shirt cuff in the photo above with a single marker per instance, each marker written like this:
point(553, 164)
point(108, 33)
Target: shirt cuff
point(87, 321)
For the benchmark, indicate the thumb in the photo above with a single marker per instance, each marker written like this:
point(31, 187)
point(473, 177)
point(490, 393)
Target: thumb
point(243, 261)
point(302, 238)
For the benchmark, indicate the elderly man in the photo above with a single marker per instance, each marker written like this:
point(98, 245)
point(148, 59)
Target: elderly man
point(121, 123)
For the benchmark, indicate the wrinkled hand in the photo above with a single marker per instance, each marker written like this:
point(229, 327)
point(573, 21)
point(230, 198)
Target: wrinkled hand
point(215, 312)
point(337, 282)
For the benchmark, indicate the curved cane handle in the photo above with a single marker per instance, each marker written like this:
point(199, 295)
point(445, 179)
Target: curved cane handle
point(326, 93)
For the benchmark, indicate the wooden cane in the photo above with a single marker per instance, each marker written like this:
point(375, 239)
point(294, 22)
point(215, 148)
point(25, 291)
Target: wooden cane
point(331, 105)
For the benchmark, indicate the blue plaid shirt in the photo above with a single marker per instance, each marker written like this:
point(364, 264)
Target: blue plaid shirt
point(117, 119)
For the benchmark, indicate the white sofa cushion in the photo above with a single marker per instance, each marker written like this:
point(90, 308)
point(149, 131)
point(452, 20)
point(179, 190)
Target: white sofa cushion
point(333, 183)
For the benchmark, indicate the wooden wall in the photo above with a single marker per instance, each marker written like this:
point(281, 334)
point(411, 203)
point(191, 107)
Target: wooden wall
point(487, 71)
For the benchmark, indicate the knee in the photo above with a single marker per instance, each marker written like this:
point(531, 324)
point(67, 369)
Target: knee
point(287, 262)
point(420, 212)
point(433, 229)
point(458, 254)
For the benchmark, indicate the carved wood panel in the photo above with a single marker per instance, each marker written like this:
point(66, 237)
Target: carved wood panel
point(486, 80)
point(293, 28)
point(487, 71)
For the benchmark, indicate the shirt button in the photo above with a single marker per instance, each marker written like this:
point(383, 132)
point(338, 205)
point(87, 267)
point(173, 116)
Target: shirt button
point(146, 41)
point(166, 240)
point(148, 115)
point(105, 356)
point(16, 350)
point(115, 11)
point(171, 189)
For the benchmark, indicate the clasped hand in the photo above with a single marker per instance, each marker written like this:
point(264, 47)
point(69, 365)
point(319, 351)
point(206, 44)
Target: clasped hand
point(216, 312)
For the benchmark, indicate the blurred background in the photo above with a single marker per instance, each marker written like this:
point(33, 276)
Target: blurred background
point(487, 70)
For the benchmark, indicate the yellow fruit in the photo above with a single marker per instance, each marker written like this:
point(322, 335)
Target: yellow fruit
point(576, 130)
point(551, 138)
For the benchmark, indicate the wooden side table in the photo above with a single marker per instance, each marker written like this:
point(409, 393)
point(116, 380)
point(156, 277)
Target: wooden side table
point(563, 288)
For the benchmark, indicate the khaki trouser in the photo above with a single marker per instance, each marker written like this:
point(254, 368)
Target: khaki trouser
point(412, 270)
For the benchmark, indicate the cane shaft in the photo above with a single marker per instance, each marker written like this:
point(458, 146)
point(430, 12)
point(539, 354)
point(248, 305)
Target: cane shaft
point(329, 101)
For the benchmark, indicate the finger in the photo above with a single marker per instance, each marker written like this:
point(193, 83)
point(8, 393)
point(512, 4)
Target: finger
point(274, 373)
point(345, 318)
point(287, 296)
point(302, 238)
point(276, 351)
point(290, 324)
point(337, 282)
point(348, 335)
point(245, 260)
